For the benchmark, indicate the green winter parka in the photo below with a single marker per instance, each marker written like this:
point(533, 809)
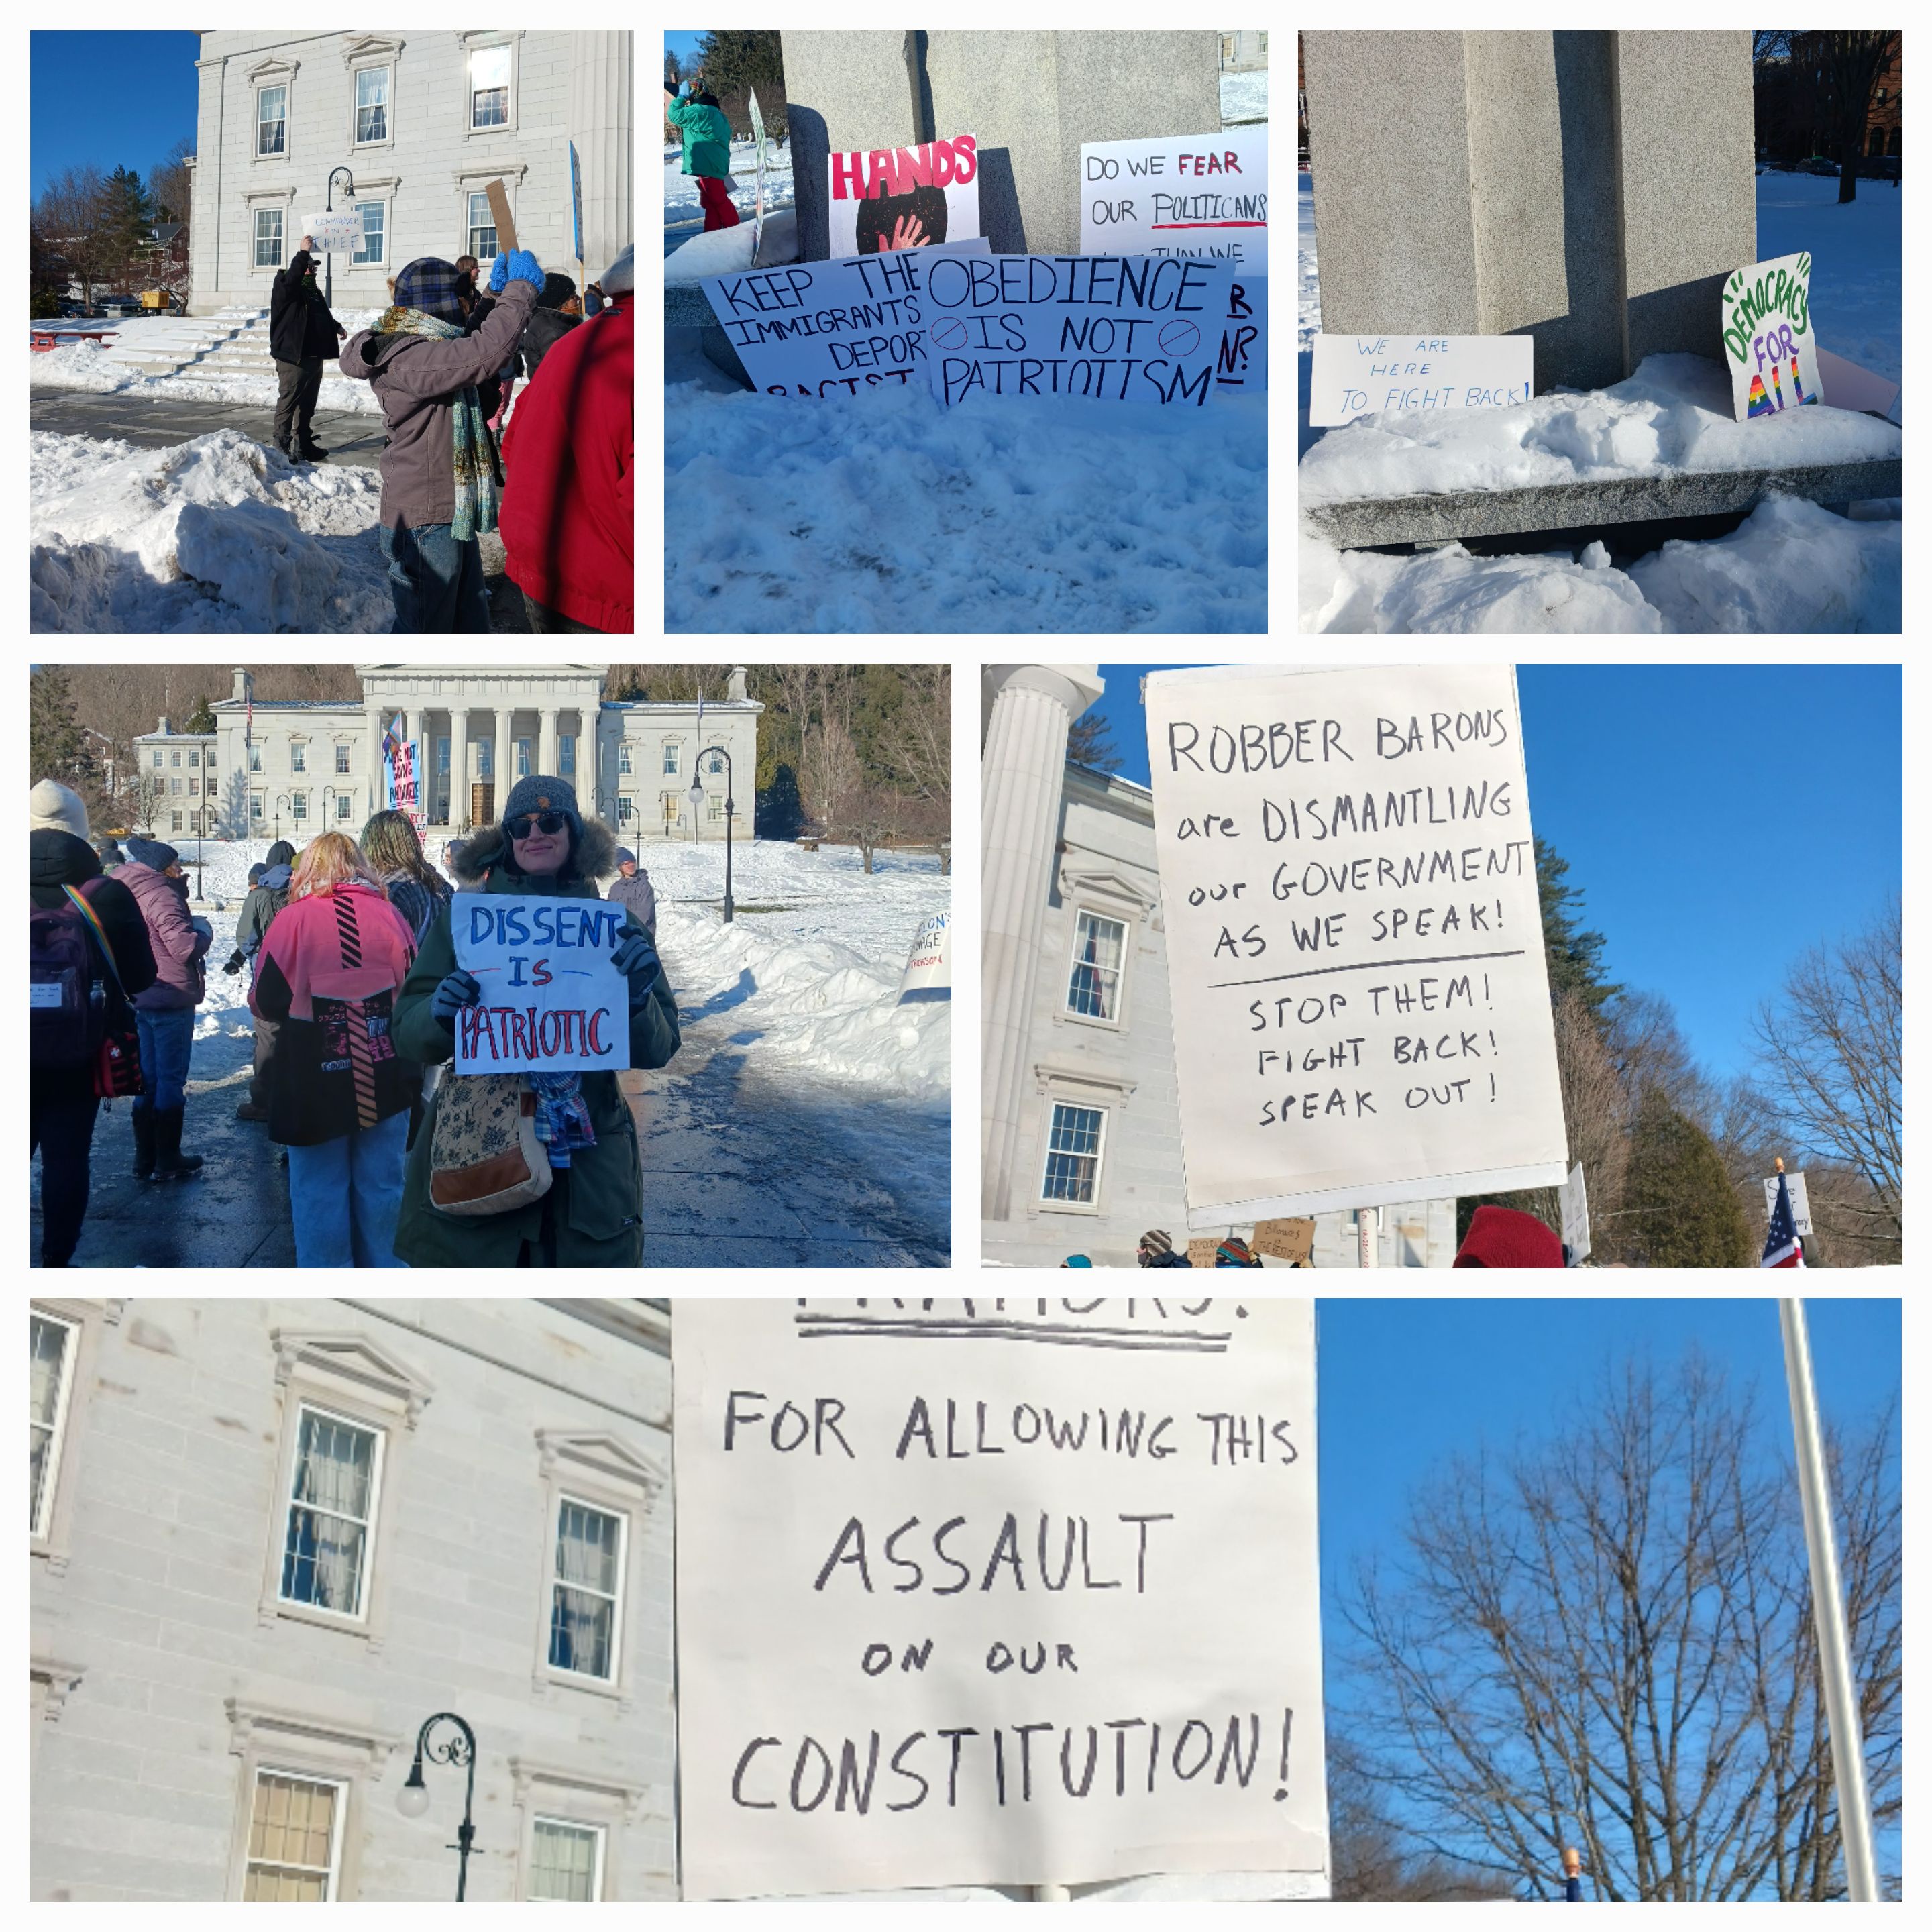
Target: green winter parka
point(596, 1204)
point(707, 138)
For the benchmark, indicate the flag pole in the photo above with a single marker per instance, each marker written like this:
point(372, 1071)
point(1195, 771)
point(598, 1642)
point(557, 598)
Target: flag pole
point(1828, 1609)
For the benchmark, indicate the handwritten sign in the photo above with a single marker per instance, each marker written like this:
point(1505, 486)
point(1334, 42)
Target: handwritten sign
point(1373, 375)
point(1801, 1202)
point(1112, 328)
point(894, 198)
point(1768, 341)
point(1241, 368)
point(1361, 1010)
point(1178, 194)
point(1292, 1241)
point(552, 1001)
point(995, 1591)
point(338, 231)
point(928, 966)
point(826, 329)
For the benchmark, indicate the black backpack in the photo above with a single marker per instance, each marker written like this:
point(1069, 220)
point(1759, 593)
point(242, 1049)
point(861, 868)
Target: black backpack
point(69, 997)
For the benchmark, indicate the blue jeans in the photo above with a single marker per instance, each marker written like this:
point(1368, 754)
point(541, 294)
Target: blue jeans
point(436, 582)
point(167, 1039)
point(346, 1195)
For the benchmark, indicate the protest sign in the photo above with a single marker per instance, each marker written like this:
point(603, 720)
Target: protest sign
point(823, 329)
point(895, 198)
point(402, 779)
point(552, 1001)
point(1292, 1241)
point(1572, 1198)
point(1113, 327)
point(994, 1592)
point(1178, 194)
point(1365, 375)
point(336, 231)
point(1768, 342)
point(758, 197)
point(1242, 366)
point(1801, 1205)
point(928, 966)
point(1361, 1009)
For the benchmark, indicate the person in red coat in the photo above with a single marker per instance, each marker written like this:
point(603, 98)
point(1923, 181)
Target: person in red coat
point(566, 517)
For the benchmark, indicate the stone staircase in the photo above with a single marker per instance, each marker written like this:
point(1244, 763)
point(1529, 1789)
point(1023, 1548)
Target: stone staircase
point(233, 342)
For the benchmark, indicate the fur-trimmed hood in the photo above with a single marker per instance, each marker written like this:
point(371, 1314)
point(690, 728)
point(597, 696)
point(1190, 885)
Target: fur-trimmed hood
point(593, 856)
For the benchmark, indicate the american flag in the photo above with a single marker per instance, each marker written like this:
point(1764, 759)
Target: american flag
point(1781, 1247)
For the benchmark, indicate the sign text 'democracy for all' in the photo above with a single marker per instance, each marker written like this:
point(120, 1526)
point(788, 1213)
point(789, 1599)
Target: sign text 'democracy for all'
point(1361, 1009)
point(1768, 340)
point(552, 1001)
point(995, 1591)
point(1353, 375)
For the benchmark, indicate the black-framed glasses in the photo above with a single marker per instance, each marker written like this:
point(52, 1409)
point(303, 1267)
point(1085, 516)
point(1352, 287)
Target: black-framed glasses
point(548, 822)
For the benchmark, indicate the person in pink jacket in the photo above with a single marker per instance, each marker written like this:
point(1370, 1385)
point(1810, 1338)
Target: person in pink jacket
point(165, 1013)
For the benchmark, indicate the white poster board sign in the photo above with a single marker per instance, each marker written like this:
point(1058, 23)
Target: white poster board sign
point(1801, 1205)
point(1361, 1009)
point(894, 198)
point(928, 966)
point(1573, 1200)
point(1241, 368)
point(1768, 340)
point(1354, 376)
point(1112, 328)
point(1178, 194)
point(552, 1002)
point(338, 231)
point(980, 1592)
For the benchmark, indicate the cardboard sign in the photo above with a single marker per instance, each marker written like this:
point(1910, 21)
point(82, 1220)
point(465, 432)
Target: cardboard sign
point(1768, 338)
point(1288, 1240)
point(994, 1592)
point(1112, 328)
point(334, 231)
point(894, 198)
point(823, 329)
point(928, 969)
point(1374, 375)
point(1361, 1009)
point(1801, 1206)
point(1178, 194)
point(552, 1002)
point(1852, 385)
point(1574, 1203)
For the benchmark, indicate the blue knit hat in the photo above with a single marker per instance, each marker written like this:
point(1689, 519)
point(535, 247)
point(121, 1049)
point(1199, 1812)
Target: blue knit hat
point(429, 283)
point(152, 854)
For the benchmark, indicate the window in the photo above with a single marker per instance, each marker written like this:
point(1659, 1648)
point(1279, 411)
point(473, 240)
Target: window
point(585, 1590)
point(177, 825)
point(160, 759)
point(1073, 1153)
point(342, 761)
point(566, 756)
point(1094, 989)
point(254, 758)
point(194, 787)
point(174, 759)
point(624, 760)
point(294, 1838)
point(174, 786)
point(566, 1860)
point(372, 104)
point(370, 248)
point(670, 758)
point(715, 806)
point(207, 765)
point(268, 237)
point(489, 93)
point(673, 808)
point(194, 759)
point(52, 1349)
point(525, 753)
point(254, 804)
point(298, 806)
point(482, 229)
point(623, 808)
point(297, 757)
point(342, 804)
point(272, 131)
point(332, 1505)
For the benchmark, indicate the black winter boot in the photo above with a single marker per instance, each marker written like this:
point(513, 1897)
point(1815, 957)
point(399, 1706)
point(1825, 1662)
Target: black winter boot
point(170, 1163)
point(144, 1140)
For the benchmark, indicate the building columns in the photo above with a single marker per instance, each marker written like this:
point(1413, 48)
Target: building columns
point(502, 765)
point(459, 767)
point(548, 757)
point(378, 790)
point(600, 114)
point(1022, 769)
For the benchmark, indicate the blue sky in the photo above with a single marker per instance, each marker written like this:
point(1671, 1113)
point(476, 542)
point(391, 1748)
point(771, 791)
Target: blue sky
point(110, 98)
point(685, 46)
point(1718, 818)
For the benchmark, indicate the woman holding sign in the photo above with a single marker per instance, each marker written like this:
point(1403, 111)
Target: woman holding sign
point(591, 1213)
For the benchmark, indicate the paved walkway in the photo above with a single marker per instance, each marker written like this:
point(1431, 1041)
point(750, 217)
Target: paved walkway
point(349, 435)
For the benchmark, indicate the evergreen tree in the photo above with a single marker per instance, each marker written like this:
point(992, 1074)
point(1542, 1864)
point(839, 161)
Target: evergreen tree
point(1575, 957)
point(1089, 741)
point(127, 213)
point(201, 718)
point(57, 746)
point(732, 59)
point(1679, 1208)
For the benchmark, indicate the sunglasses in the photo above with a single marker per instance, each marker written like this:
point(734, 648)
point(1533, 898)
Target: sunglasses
point(548, 822)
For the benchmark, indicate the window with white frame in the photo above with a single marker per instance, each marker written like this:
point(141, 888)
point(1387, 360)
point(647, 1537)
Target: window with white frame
point(342, 804)
point(369, 249)
point(268, 237)
point(160, 759)
point(342, 761)
point(623, 808)
point(490, 88)
point(482, 229)
point(254, 758)
point(566, 756)
point(294, 1838)
point(566, 1860)
point(52, 1356)
point(670, 758)
point(332, 1496)
point(673, 808)
point(297, 757)
point(624, 759)
point(298, 806)
point(177, 826)
point(1094, 990)
point(587, 1590)
point(271, 121)
point(372, 104)
point(174, 785)
point(255, 804)
point(194, 759)
point(714, 808)
point(1073, 1154)
point(174, 759)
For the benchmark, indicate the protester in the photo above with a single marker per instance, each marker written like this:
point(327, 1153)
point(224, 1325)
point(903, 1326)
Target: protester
point(107, 850)
point(467, 266)
point(98, 958)
point(302, 332)
point(1077, 1261)
point(268, 893)
point(164, 1012)
point(558, 311)
point(1234, 1252)
point(707, 151)
point(1506, 1238)
point(592, 1215)
point(1156, 1250)
point(419, 892)
point(441, 479)
point(567, 524)
point(52, 807)
point(632, 888)
point(332, 962)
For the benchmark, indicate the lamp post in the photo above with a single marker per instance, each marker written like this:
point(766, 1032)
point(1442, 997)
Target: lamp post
point(327, 792)
point(328, 254)
point(412, 1801)
point(282, 798)
point(716, 752)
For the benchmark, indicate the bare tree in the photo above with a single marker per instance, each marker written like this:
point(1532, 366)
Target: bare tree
point(1852, 63)
point(869, 815)
point(1607, 1640)
point(70, 218)
point(1371, 1855)
point(831, 767)
point(1596, 1107)
point(924, 750)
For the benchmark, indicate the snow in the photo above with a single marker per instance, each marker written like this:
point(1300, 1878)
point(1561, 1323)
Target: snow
point(680, 190)
point(221, 533)
point(724, 251)
point(1244, 96)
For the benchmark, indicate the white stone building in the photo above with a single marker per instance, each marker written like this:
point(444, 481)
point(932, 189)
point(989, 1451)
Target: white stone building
point(289, 768)
point(423, 121)
point(1080, 1132)
point(271, 1538)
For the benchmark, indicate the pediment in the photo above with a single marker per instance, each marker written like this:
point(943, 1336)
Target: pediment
point(354, 1359)
point(371, 47)
point(272, 69)
point(598, 1453)
point(1106, 882)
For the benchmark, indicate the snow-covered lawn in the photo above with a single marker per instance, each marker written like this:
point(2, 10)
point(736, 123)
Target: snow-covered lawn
point(1244, 96)
point(680, 190)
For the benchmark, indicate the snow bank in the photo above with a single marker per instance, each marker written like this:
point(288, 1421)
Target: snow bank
point(681, 200)
point(1244, 96)
point(221, 533)
point(724, 251)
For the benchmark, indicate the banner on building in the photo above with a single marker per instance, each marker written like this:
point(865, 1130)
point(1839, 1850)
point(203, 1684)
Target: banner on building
point(1768, 340)
point(1354, 947)
point(552, 1001)
point(1178, 194)
point(995, 1591)
point(888, 198)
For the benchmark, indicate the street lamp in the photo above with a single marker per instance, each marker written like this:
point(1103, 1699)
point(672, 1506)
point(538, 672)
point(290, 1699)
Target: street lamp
point(328, 254)
point(412, 1801)
point(327, 792)
point(716, 752)
point(282, 798)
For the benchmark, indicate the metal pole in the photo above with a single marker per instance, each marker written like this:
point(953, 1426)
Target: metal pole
point(1828, 1609)
point(729, 810)
point(1368, 1231)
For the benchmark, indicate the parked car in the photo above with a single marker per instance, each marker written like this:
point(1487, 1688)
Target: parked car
point(1880, 167)
point(1819, 164)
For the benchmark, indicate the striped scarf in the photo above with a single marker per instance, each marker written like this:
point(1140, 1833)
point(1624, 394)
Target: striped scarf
point(478, 484)
point(563, 1119)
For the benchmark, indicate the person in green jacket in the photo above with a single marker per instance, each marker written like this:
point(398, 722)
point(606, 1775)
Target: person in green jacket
point(707, 151)
point(592, 1216)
